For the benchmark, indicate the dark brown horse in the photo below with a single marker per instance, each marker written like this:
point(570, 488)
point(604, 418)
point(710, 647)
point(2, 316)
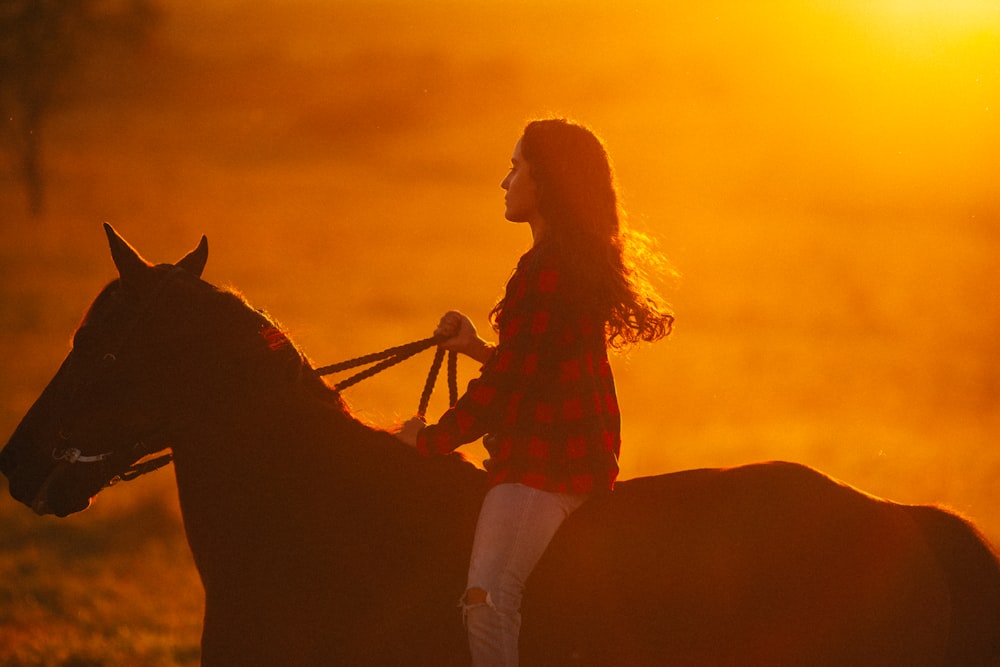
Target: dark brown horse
point(322, 541)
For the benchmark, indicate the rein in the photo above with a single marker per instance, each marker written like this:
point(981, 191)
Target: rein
point(394, 355)
point(386, 359)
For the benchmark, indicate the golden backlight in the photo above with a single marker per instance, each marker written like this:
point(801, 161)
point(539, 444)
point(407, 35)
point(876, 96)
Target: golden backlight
point(822, 174)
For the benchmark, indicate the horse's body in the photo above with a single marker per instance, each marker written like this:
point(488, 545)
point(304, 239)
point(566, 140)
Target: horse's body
point(322, 541)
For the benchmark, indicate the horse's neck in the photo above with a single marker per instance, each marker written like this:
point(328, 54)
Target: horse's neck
point(286, 471)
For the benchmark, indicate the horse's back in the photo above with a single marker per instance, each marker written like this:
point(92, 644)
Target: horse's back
point(769, 564)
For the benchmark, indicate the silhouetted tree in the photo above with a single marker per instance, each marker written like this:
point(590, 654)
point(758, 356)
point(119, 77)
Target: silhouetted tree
point(43, 45)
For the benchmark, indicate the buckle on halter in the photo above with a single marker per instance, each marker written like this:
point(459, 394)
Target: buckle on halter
point(70, 455)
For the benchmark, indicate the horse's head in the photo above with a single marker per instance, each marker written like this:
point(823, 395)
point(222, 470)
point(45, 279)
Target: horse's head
point(102, 412)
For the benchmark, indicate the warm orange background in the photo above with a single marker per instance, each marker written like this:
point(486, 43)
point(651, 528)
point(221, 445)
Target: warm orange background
point(822, 175)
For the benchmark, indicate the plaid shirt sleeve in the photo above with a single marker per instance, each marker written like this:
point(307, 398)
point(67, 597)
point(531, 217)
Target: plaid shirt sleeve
point(492, 398)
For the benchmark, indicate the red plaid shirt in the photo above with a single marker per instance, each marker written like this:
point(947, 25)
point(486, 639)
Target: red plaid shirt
point(546, 397)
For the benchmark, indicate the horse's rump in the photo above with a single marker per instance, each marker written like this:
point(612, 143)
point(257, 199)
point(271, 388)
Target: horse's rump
point(759, 565)
point(970, 568)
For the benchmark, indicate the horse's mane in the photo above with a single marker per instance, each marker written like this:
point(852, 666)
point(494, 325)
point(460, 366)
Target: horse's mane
point(274, 343)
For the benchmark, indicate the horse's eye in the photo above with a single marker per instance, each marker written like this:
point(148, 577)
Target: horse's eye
point(109, 358)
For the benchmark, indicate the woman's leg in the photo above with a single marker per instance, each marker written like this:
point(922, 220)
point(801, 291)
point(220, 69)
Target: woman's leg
point(516, 524)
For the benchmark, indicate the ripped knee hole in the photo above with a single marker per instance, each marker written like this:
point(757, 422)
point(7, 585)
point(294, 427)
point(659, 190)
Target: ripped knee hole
point(474, 596)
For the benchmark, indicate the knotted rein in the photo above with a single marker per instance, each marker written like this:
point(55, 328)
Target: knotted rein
point(394, 355)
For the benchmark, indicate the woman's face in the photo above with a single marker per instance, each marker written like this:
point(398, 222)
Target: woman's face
point(522, 196)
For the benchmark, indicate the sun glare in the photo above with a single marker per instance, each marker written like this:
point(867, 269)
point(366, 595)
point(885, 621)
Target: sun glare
point(935, 14)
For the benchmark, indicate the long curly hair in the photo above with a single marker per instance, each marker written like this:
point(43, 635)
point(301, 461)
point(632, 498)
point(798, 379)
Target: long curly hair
point(578, 200)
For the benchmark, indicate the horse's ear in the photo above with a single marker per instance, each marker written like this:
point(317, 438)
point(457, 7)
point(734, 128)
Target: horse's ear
point(126, 258)
point(194, 261)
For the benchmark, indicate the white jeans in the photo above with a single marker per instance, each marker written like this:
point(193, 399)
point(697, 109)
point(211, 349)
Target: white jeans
point(516, 524)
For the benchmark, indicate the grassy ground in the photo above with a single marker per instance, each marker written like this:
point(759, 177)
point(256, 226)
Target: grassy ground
point(834, 230)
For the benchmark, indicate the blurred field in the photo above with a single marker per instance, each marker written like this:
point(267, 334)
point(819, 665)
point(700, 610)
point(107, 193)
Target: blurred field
point(822, 176)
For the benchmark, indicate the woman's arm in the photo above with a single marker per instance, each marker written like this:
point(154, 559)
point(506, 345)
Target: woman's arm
point(528, 335)
point(462, 338)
